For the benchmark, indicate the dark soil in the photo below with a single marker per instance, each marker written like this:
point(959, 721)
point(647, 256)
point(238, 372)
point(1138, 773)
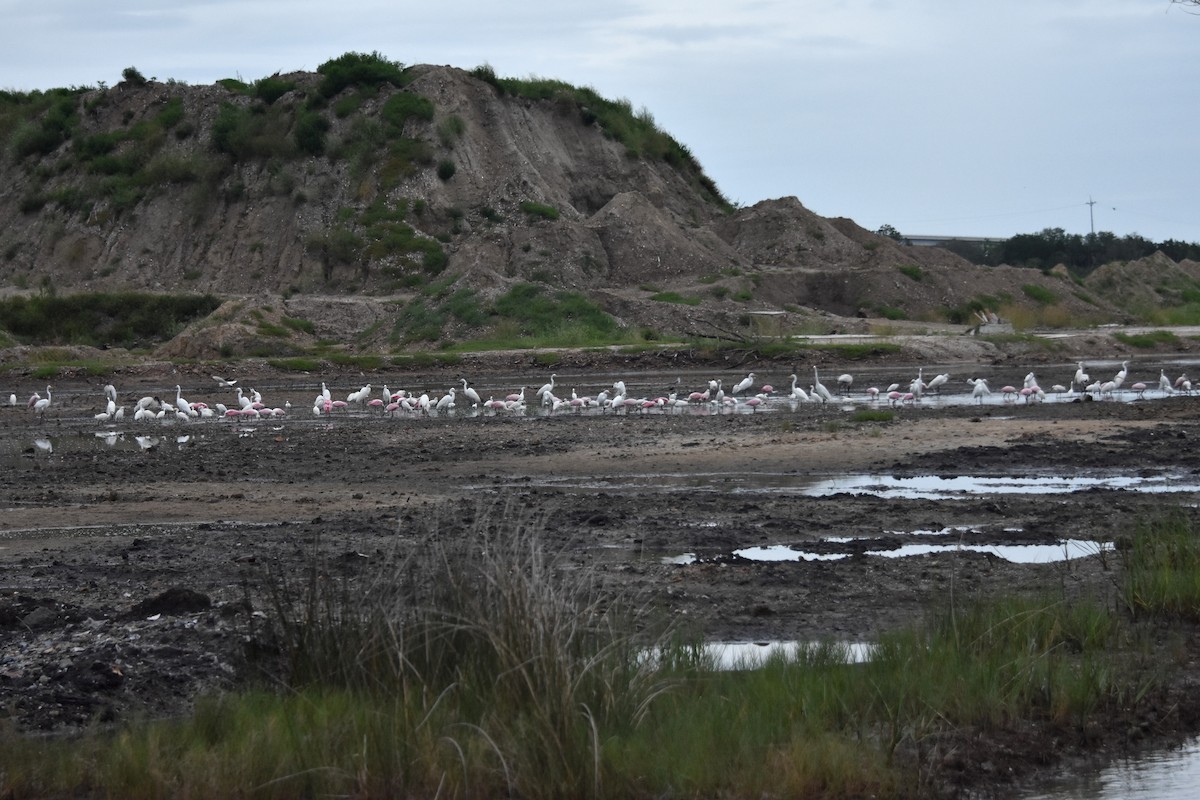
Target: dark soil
point(129, 577)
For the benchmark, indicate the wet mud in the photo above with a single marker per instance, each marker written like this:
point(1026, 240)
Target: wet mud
point(130, 571)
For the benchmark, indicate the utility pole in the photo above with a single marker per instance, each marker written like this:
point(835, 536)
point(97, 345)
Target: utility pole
point(1092, 240)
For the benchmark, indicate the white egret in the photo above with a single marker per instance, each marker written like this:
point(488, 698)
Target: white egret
point(40, 405)
point(819, 388)
point(546, 387)
point(470, 393)
point(744, 384)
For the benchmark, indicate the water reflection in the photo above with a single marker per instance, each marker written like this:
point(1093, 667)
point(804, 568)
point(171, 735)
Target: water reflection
point(932, 487)
point(1064, 550)
point(751, 655)
point(1017, 553)
point(779, 552)
point(1169, 775)
point(917, 487)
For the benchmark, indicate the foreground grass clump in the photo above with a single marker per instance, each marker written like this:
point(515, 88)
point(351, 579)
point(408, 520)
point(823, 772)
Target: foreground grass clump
point(1162, 575)
point(479, 665)
point(123, 319)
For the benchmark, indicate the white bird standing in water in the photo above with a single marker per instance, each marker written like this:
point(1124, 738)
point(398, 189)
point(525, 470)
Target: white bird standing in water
point(1164, 383)
point(938, 381)
point(546, 387)
point(844, 380)
point(744, 384)
point(797, 392)
point(1120, 377)
point(981, 389)
point(819, 388)
point(470, 393)
point(1081, 377)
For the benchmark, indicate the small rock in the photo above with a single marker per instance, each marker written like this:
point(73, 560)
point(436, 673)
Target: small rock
point(39, 617)
point(176, 600)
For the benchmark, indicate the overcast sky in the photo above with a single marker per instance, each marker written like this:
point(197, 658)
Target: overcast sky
point(936, 117)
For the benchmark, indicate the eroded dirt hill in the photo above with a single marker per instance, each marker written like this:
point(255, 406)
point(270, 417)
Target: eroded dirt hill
point(444, 176)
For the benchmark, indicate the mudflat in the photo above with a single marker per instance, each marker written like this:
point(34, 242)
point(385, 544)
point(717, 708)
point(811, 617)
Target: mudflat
point(132, 554)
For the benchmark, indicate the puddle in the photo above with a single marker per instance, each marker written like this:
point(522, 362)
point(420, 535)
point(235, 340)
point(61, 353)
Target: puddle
point(1166, 775)
point(1064, 550)
point(1016, 553)
point(728, 656)
point(780, 552)
point(959, 529)
point(931, 487)
point(750, 655)
point(920, 487)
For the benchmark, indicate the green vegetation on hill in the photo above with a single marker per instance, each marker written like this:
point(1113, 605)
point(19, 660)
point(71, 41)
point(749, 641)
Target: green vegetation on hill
point(527, 315)
point(125, 319)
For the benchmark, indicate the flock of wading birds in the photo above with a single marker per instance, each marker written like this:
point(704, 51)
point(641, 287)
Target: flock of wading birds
point(745, 395)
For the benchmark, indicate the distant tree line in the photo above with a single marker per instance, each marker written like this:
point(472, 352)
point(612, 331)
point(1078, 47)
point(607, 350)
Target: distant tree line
point(1052, 246)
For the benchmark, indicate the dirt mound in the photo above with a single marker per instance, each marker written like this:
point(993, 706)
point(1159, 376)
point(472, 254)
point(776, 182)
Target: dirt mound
point(481, 189)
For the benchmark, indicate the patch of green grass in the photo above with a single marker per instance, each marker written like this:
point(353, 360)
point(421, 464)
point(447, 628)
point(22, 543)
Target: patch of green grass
point(122, 319)
point(1149, 340)
point(272, 330)
point(1039, 294)
point(1187, 314)
point(426, 360)
point(912, 271)
point(358, 361)
point(301, 325)
point(675, 297)
point(892, 313)
point(295, 364)
point(539, 210)
point(872, 415)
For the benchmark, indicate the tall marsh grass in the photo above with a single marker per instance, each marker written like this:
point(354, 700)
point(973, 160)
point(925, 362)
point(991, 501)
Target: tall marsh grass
point(476, 663)
point(1162, 569)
